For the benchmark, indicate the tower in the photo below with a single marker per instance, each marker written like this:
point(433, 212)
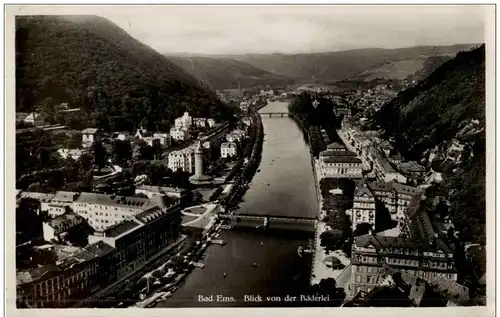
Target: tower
point(198, 160)
point(199, 178)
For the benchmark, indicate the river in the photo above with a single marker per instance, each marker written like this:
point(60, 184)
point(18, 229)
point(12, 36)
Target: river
point(284, 186)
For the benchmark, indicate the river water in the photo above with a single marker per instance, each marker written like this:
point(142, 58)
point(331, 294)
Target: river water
point(284, 186)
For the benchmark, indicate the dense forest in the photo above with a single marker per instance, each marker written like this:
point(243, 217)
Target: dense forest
point(223, 73)
point(118, 82)
point(431, 114)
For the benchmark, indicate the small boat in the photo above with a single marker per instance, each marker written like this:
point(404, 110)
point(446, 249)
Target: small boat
point(255, 264)
point(262, 243)
point(225, 274)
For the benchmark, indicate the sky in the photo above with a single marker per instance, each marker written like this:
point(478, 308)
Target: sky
point(292, 29)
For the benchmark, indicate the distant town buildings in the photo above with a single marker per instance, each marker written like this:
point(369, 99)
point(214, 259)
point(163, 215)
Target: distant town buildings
point(228, 149)
point(180, 134)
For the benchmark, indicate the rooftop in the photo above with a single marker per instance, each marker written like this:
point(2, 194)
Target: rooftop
point(67, 217)
point(335, 145)
point(65, 196)
point(385, 242)
point(113, 200)
point(337, 153)
point(121, 228)
point(36, 273)
point(411, 167)
point(42, 197)
point(90, 131)
point(342, 159)
point(161, 189)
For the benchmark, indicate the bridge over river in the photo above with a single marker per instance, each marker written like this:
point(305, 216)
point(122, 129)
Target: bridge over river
point(275, 114)
point(247, 220)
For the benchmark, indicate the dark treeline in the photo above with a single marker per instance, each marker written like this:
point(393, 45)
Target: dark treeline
point(118, 82)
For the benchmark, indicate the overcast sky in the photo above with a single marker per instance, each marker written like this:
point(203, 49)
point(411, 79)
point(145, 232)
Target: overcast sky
point(293, 29)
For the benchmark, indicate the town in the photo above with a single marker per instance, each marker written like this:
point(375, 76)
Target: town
point(351, 177)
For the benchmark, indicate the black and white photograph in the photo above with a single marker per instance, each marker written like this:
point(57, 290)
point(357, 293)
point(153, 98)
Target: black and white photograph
point(245, 156)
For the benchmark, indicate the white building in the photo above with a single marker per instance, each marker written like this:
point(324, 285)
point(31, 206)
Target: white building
point(236, 135)
point(103, 211)
point(179, 134)
point(244, 106)
point(73, 153)
point(336, 163)
point(184, 122)
point(61, 200)
point(363, 209)
point(200, 122)
point(228, 149)
point(35, 119)
point(211, 122)
point(89, 136)
point(182, 159)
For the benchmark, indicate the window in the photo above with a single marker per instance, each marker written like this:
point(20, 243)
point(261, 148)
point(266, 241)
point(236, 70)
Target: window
point(358, 278)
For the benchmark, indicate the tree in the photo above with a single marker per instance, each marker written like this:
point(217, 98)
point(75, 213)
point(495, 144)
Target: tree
point(328, 287)
point(122, 151)
point(331, 239)
point(362, 229)
point(28, 222)
point(100, 154)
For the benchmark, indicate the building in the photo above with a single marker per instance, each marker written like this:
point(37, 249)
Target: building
point(60, 202)
point(228, 149)
point(76, 274)
point(182, 160)
point(180, 134)
point(244, 106)
point(200, 122)
point(247, 121)
point(363, 209)
point(383, 169)
point(141, 133)
point(412, 170)
point(184, 122)
point(426, 259)
point(164, 138)
point(151, 141)
point(89, 137)
point(336, 163)
point(35, 119)
point(103, 211)
point(211, 122)
point(138, 239)
point(199, 175)
point(154, 191)
point(55, 227)
point(396, 197)
point(43, 198)
point(236, 135)
point(72, 153)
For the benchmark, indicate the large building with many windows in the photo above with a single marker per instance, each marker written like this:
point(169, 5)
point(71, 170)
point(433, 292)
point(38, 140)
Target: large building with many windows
point(182, 160)
point(103, 211)
point(335, 163)
point(363, 209)
point(426, 259)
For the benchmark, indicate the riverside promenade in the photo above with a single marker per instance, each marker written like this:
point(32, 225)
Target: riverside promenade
point(319, 268)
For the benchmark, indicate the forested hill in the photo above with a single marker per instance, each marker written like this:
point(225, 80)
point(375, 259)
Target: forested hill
point(440, 115)
point(335, 66)
point(91, 63)
point(222, 73)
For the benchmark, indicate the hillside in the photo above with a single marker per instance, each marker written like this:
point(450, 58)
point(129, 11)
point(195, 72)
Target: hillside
point(91, 63)
point(334, 66)
point(441, 122)
point(222, 73)
point(411, 69)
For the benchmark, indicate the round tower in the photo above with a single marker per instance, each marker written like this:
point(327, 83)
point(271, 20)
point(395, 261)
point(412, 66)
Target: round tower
point(198, 160)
